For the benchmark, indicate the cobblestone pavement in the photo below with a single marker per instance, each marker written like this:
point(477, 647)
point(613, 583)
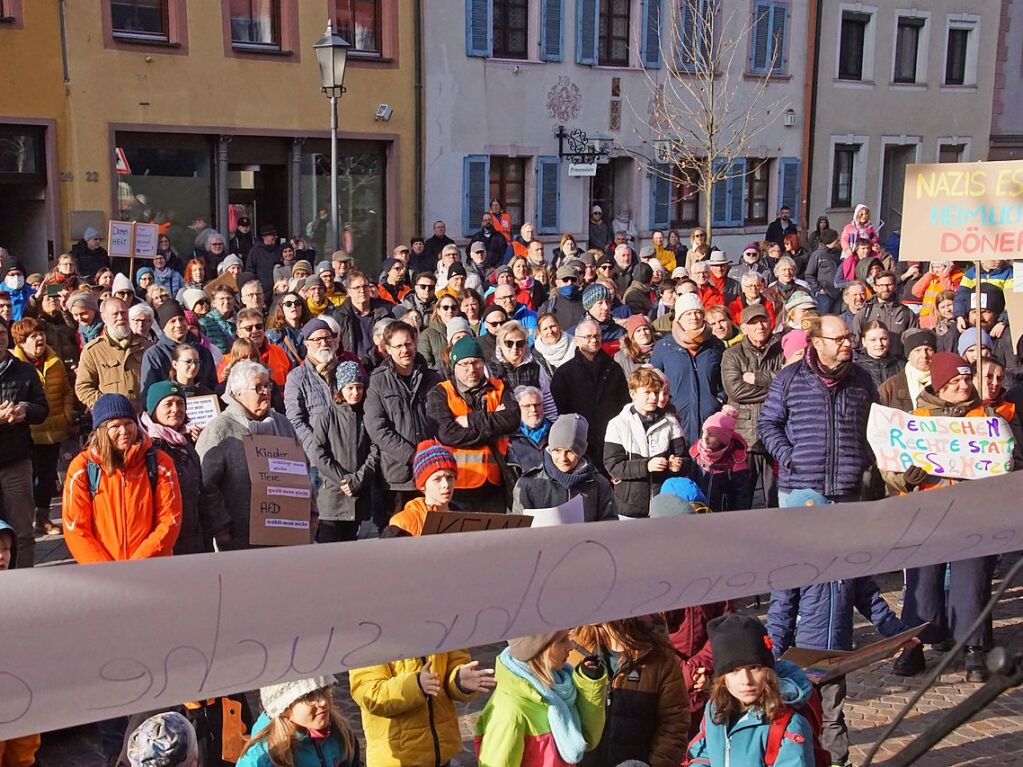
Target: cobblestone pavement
point(994, 737)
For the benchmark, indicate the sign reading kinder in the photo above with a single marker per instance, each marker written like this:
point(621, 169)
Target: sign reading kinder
point(243, 619)
point(962, 211)
point(956, 448)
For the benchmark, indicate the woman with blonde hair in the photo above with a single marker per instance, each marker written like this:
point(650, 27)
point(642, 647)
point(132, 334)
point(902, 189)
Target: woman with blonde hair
point(515, 365)
point(301, 726)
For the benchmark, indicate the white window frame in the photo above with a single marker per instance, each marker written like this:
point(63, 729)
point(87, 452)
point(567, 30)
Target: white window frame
point(971, 22)
point(859, 183)
point(869, 45)
point(922, 48)
point(965, 141)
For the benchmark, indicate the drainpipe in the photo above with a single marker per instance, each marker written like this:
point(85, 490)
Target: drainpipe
point(810, 107)
point(63, 42)
point(418, 32)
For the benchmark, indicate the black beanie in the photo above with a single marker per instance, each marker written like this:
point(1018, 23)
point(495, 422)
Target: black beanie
point(167, 311)
point(737, 641)
point(643, 274)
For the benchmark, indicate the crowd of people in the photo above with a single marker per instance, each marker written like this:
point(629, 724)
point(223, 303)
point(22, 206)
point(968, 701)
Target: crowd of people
point(503, 376)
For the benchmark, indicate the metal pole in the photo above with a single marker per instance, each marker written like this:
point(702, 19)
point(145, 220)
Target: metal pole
point(980, 357)
point(333, 174)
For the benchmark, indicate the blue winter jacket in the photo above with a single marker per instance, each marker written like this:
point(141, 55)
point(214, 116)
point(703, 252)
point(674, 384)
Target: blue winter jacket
point(696, 389)
point(818, 435)
point(744, 743)
point(305, 751)
point(821, 617)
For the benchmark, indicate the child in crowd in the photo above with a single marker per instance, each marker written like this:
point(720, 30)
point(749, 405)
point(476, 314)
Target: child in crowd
point(643, 446)
point(750, 691)
point(544, 713)
point(820, 617)
point(164, 740)
point(720, 466)
point(301, 726)
point(346, 459)
point(434, 469)
point(16, 752)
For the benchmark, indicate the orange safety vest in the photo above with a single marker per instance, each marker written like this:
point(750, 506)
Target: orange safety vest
point(502, 223)
point(476, 465)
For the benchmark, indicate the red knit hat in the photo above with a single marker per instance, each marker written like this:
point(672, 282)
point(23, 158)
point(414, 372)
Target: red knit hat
point(634, 323)
point(431, 456)
point(944, 367)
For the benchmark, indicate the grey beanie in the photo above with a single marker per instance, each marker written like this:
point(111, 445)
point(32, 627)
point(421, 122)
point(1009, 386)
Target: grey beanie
point(164, 740)
point(277, 698)
point(526, 648)
point(86, 298)
point(569, 432)
point(457, 325)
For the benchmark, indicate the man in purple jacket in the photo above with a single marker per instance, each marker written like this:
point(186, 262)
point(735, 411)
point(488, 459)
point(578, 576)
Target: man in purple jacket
point(814, 421)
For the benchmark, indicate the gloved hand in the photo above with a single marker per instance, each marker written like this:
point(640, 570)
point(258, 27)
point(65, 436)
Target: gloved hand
point(592, 666)
point(915, 476)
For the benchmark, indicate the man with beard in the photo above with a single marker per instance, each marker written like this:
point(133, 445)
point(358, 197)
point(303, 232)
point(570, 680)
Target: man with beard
point(497, 245)
point(309, 390)
point(112, 363)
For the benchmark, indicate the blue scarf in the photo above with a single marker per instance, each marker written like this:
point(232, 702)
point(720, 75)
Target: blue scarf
point(571, 292)
point(89, 332)
point(562, 715)
point(537, 435)
point(583, 472)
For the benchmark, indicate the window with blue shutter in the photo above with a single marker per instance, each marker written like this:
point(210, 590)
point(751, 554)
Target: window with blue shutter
point(587, 25)
point(551, 12)
point(660, 197)
point(478, 28)
point(695, 28)
point(768, 54)
point(729, 195)
point(475, 186)
point(548, 195)
point(651, 54)
point(788, 184)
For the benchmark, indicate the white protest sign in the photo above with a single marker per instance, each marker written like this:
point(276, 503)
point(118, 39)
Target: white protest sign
point(201, 410)
point(119, 238)
point(569, 513)
point(956, 448)
point(147, 238)
point(89, 642)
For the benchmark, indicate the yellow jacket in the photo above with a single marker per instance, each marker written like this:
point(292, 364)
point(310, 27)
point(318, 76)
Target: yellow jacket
point(403, 726)
point(59, 396)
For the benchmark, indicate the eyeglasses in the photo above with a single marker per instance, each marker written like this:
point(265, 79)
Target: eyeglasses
point(188, 362)
point(505, 298)
point(250, 328)
point(425, 285)
point(319, 339)
point(406, 345)
point(358, 287)
point(515, 344)
point(291, 304)
point(587, 338)
point(839, 340)
point(494, 323)
point(569, 280)
point(259, 388)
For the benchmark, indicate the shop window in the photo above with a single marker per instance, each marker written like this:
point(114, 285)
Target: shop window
point(613, 34)
point(507, 184)
point(143, 19)
point(21, 154)
point(255, 22)
point(756, 194)
point(358, 22)
point(511, 21)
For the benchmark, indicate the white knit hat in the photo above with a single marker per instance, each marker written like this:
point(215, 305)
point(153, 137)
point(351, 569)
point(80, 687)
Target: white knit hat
point(121, 284)
point(277, 698)
point(687, 302)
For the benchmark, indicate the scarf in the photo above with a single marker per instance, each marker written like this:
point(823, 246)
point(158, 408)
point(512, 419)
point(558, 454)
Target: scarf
point(558, 353)
point(90, 332)
point(537, 435)
point(159, 431)
point(687, 339)
point(580, 474)
point(571, 292)
point(731, 457)
point(562, 715)
point(918, 380)
point(830, 377)
point(267, 426)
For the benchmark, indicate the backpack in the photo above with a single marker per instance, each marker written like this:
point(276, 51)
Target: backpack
point(778, 731)
point(93, 472)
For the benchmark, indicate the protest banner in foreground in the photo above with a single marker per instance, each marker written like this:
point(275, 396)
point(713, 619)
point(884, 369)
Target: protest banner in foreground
point(445, 522)
point(89, 642)
point(280, 509)
point(957, 211)
point(827, 665)
point(954, 448)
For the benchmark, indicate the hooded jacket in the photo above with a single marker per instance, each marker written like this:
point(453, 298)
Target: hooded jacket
point(125, 519)
point(402, 725)
point(880, 369)
point(305, 750)
point(745, 741)
point(695, 379)
point(59, 397)
point(4, 526)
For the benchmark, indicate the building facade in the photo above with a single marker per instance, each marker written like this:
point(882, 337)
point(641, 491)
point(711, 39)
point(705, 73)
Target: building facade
point(1007, 106)
point(173, 112)
point(895, 85)
point(503, 75)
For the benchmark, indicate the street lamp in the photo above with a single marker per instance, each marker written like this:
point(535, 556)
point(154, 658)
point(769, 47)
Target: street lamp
point(332, 55)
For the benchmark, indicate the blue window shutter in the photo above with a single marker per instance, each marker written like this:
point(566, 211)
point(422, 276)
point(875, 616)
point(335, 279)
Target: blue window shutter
point(652, 34)
point(551, 29)
point(687, 34)
point(548, 195)
point(587, 23)
point(475, 186)
point(720, 197)
point(737, 193)
point(660, 198)
point(760, 55)
point(788, 183)
point(779, 45)
point(479, 28)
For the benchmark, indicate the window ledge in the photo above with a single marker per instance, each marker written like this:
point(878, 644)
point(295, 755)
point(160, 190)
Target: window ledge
point(508, 63)
point(770, 77)
point(908, 86)
point(860, 85)
point(7, 19)
point(618, 68)
point(131, 39)
point(959, 88)
point(263, 50)
point(368, 56)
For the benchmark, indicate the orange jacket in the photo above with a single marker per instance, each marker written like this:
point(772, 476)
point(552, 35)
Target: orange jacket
point(412, 517)
point(123, 520)
point(476, 465)
point(273, 357)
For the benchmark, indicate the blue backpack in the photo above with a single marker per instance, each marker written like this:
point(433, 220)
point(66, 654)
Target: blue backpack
point(94, 472)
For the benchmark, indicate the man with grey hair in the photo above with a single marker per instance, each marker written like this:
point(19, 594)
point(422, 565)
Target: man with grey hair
point(211, 249)
point(526, 446)
point(448, 256)
point(140, 319)
point(112, 363)
point(752, 286)
point(592, 385)
point(225, 472)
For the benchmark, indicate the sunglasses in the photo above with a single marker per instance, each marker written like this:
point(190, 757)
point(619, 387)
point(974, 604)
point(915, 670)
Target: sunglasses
point(291, 304)
point(448, 307)
point(250, 328)
point(569, 280)
point(606, 266)
point(494, 323)
point(514, 344)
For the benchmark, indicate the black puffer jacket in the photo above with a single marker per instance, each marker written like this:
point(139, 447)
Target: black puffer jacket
point(880, 369)
point(396, 418)
point(19, 382)
point(201, 516)
point(537, 490)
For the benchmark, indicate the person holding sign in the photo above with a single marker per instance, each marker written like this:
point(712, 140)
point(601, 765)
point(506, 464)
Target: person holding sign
point(950, 393)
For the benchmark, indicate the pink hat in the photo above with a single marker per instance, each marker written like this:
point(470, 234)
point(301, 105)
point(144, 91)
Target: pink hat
point(721, 425)
point(794, 341)
point(634, 323)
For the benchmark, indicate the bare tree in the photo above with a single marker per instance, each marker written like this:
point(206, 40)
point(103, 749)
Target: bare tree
point(705, 110)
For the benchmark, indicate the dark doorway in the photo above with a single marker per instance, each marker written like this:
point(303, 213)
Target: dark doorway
point(896, 158)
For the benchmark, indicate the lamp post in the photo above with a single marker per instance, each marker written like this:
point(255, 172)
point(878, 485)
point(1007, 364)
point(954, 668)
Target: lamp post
point(332, 55)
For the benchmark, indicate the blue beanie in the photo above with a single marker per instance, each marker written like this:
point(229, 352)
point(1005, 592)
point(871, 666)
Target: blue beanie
point(349, 373)
point(111, 406)
point(968, 338)
point(313, 325)
point(594, 293)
